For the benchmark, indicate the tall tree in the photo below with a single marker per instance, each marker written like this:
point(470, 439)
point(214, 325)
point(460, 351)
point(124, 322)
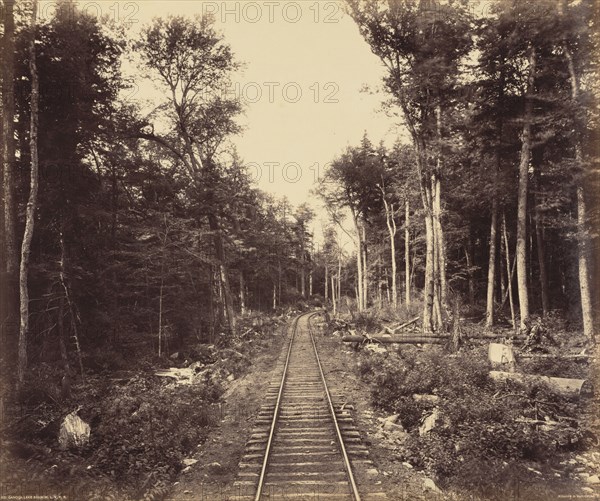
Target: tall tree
point(193, 64)
point(31, 203)
point(9, 291)
point(422, 50)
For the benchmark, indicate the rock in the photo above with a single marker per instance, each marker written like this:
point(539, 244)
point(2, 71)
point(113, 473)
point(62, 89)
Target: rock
point(189, 461)
point(592, 480)
point(174, 356)
point(182, 376)
point(429, 422)
point(430, 485)
point(587, 489)
point(187, 469)
point(74, 432)
point(215, 467)
point(391, 419)
point(408, 465)
point(372, 472)
point(387, 426)
point(230, 378)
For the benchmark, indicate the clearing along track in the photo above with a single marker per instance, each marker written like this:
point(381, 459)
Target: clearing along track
point(303, 445)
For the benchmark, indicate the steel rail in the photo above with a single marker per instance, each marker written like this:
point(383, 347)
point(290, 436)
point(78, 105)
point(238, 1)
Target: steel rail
point(335, 422)
point(276, 411)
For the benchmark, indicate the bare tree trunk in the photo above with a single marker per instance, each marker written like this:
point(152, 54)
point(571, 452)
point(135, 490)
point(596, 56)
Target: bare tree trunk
point(31, 207)
point(437, 218)
point(359, 266)
point(582, 224)
point(72, 312)
point(224, 279)
point(60, 322)
point(326, 282)
point(440, 244)
point(470, 277)
point(509, 273)
point(333, 298)
point(302, 270)
point(61, 334)
point(428, 291)
point(392, 230)
point(339, 276)
point(310, 282)
point(160, 313)
point(407, 250)
point(365, 269)
point(583, 255)
point(242, 293)
point(491, 281)
point(274, 296)
point(541, 257)
point(10, 267)
point(525, 158)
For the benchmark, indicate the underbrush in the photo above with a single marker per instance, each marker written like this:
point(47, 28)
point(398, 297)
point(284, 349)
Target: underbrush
point(142, 425)
point(482, 425)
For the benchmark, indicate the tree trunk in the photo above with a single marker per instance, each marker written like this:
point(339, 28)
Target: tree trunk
point(10, 290)
point(60, 322)
point(242, 294)
point(509, 273)
point(582, 224)
point(522, 197)
point(359, 266)
point(407, 249)
point(491, 282)
point(339, 277)
point(428, 291)
point(72, 312)
point(223, 277)
point(470, 277)
point(31, 207)
point(274, 296)
point(583, 269)
point(392, 230)
point(391, 226)
point(440, 244)
point(541, 257)
point(333, 298)
point(326, 282)
point(365, 269)
point(160, 314)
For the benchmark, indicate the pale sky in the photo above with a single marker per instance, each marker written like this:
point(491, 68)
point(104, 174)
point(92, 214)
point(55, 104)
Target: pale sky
point(305, 64)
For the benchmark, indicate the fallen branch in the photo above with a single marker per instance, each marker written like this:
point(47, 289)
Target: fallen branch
point(400, 340)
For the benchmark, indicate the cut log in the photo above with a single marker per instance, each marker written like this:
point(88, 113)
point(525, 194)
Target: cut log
point(501, 354)
point(400, 340)
point(562, 386)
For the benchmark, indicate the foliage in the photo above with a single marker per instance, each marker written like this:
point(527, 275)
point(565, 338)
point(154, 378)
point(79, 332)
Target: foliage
point(481, 422)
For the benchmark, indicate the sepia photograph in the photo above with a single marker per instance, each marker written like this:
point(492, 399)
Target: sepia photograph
point(299, 250)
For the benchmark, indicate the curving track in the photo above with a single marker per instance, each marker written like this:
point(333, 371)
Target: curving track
point(303, 445)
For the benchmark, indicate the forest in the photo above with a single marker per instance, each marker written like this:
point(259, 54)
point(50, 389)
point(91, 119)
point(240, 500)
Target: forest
point(131, 233)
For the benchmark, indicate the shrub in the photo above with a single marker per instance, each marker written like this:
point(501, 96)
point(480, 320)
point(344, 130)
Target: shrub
point(481, 421)
point(149, 425)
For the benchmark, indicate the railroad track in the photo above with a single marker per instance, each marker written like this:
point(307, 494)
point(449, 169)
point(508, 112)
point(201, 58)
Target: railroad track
point(304, 445)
